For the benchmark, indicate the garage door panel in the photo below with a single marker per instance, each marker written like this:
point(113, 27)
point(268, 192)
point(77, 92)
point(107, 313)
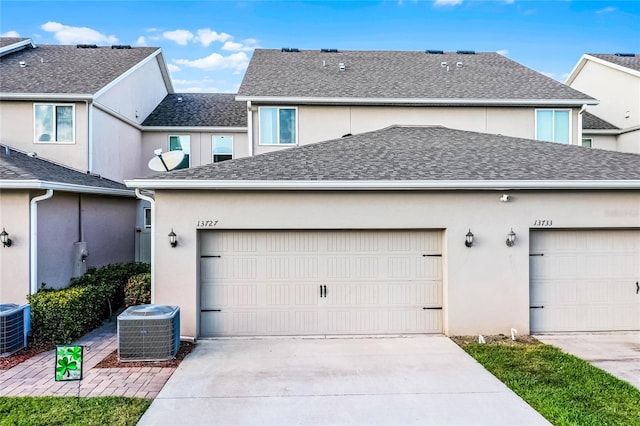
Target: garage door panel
point(585, 280)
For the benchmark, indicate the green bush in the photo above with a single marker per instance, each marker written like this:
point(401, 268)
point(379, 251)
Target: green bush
point(63, 315)
point(138, 290)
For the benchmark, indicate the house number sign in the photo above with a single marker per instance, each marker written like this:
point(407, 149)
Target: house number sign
point(206, 223)
point(543, 222)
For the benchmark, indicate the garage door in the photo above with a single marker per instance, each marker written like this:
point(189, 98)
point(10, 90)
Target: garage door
point(320, 282)
point(584, 280)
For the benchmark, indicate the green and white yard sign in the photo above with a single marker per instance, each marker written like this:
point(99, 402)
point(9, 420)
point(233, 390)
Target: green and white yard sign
point(68, 363)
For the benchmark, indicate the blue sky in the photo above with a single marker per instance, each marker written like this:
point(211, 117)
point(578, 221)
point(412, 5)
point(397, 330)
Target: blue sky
point(207, 44)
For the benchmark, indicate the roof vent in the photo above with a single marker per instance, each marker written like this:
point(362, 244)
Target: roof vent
point(180, 99)
point(342, 66)
point(459, 64)
point(466, 52)
point(443, 64)
point(435, 52)
point(121, 46)
point(22, 64)
point(290, 49)
point(32, 154)
point(626, 55)
point(86, 46)
point(329, 50)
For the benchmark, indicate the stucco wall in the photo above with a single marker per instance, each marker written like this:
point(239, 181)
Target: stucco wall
point(319, 123)
point(17, 131)
point(486, 287)
point(629, 142)
point(14, 260)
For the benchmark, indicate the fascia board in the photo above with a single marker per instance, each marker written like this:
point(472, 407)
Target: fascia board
point(166, 76)
point(194, 129)
point(611, 65)
point(418, 101)
point(67, 97)
point(614, 132)
point(16, 46)
point(66, 187)
point(381, 185)
point(576, 70)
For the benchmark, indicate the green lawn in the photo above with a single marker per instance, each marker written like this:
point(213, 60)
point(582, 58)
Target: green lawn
point(103, 411)
point(564, 389)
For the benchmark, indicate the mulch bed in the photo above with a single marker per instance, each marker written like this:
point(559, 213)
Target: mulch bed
point(22, 355)
point(111, 360)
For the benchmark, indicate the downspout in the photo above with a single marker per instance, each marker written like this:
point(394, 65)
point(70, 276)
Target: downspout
point(152, 203)
point(250, 128)
point(583, 109)
point(89, 136)
point(33, 246)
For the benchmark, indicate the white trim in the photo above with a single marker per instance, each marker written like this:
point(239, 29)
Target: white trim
point(33, 235)
point(213, 146)
point(250, 128)
point(278, 108)
point(10, 48)
point(152, 203)
point(58, 186)
point(194, 129)
point(55, 124)
point(46, 97)
point(535, 124)
point(166, 75)
point(418, 101)
point(89, 105)
point(126, 74)
point(583, 61)
point(375, 185)
point(611, 132)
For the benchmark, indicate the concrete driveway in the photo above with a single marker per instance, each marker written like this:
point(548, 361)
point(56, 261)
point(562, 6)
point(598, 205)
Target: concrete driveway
point(616, 353)
point(412, 380)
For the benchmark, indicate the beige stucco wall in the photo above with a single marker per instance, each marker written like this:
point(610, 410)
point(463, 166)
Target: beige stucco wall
point(14, 260)
point(17, 131)
point(629, 142)
point(201, 146)
point(319, 123)
point(486, 287)
point(617, 91)
point(607, 142)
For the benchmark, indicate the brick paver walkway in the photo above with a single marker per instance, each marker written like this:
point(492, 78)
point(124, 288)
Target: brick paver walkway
point(35, 376)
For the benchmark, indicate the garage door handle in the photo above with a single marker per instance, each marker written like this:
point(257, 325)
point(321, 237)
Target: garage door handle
point(325, 291)
point(637, 287)
point(536, 307)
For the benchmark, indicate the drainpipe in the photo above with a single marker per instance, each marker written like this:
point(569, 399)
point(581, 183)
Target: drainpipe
point(250, 128)
point(33, 212)
point(152, 203)
point(583, 109)
point(89, 136)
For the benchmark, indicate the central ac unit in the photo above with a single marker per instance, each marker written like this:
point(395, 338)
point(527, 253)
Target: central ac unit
point(15, 323)
point(149, 333)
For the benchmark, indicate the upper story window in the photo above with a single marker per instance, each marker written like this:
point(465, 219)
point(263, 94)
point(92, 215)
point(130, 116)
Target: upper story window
point(54, 123)
point(587, 142)
point(278, 126)
point(553, 125)
point(222, 148)
point(181, 143)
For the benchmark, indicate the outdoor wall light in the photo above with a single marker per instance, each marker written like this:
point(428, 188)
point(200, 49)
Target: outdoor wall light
point(468, 239)
point(4, 237)
point(511, 238)
point(173, 240)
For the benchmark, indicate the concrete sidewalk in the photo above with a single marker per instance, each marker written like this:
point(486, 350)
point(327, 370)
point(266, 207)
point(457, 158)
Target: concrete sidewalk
point(35, 376)
point(409, 380)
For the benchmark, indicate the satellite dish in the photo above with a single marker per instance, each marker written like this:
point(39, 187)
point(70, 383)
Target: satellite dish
point(163, 162)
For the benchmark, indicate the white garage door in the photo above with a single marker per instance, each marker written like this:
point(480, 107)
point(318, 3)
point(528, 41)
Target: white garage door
point(584, 280)
point(320, 282)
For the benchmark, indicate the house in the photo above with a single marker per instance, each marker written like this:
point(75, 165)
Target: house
point(71, 111)
point(614, 79)
point(297, 97)
point(407, 229)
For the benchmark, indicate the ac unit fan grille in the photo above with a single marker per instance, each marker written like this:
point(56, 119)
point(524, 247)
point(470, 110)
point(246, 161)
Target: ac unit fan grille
point(11, 333)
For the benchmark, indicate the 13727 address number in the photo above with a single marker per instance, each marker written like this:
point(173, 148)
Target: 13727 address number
point(206, 223)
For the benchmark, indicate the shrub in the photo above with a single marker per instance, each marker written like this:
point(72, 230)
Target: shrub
point(138, 290)
point(61, 316)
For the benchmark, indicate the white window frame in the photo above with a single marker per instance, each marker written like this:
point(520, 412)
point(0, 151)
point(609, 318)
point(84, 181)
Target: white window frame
point(213, 146)
point(73, 123)
point(278, 108)
point(535, 124)
point(178, 136)
point(586, 139)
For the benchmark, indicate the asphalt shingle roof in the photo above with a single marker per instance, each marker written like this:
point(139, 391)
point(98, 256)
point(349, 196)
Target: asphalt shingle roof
point(423, 153)
point(593, 122)
point(199, 110)
point(66, 69)
point(17, 166)
point(631, 62)
point(396, 74)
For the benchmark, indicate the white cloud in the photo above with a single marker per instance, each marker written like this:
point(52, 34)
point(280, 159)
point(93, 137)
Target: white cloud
point(205, 86)
point(173, 68)
point(215, 61)
point(232, 46)
point(10, 34)
point(250, 41)
point(66, 34)
point(141, 41)
point(550, 75)
point(182, 37)
point(206, 37)
point(447, 2)
point(503, 52)
point(609, 9)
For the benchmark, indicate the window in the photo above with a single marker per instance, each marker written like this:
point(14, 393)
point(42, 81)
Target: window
point(181, 143)
point(553, 125)
point(147, 217)
point(586, 142)
point(278, 126)
point(54, 123)
point(222, 148)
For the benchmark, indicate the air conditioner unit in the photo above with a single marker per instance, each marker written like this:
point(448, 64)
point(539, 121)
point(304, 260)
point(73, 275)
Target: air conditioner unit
point(15, 323)
point(148, 333)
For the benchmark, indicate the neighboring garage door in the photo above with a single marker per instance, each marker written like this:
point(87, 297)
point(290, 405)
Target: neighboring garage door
point(584, 280)
point(320, 282)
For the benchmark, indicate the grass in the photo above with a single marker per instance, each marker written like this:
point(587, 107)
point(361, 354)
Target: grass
point(48, 410)
point(564, 389)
